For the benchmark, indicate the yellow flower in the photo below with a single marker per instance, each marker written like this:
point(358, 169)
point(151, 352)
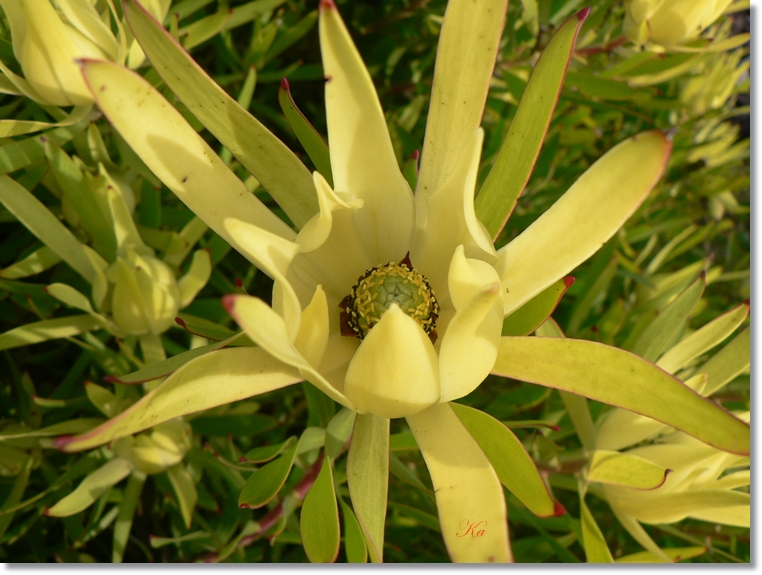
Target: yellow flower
point(670, 22)
point(424, 260)
point(50, 35)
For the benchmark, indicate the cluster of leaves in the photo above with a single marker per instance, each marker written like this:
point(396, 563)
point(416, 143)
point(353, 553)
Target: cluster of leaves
point(245, 469)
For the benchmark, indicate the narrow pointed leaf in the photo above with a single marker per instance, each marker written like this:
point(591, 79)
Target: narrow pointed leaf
point(729, 362)
point(36, 262)
point(91, 488)
point(42, 223)
point(596, 550)
point(185, 491)
point(338, 431)
point(468, 45)
point(266, 482)
point(48, 329)
point(623, 379)
point(662, 331)
point(269, 160)
point(521, 147)
point(368, 478)
point(307, 135)
point(583, 219)
point(106, 402)
point(127, 508)
point(354, 541)
point(703, 339)
point(509, 458)
point(173, 150)
point(319, 521)
point(625, 470)
point(268, 452)
point(533, 313)
point(211, 380)
point(584, 304)
point(674, 553)
point(198, 274)
point(474, 521)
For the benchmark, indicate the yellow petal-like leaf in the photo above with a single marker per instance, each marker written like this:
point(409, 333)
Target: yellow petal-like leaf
point(626, 470)
point(362, 158)
point(173, 151)
point(211, 380)
point(470, 501)
point(623, 379)
point(466, 53)
point(585, 217)
point(270, 161)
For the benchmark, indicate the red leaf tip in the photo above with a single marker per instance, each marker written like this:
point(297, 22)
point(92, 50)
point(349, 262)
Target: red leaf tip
point(62, 441)
point(584, 13)
point(416, 155)
point(558, 509)
point(238, 282)
point(110, 379)
point(244, 506)
point(228, 302)
point(179, 321)
point(568, 281)
point(284, 84)
point(327, 5)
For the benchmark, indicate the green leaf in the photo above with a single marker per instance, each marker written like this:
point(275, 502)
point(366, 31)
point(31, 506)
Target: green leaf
point(338, 431)
point(185, 491)
point(278, 170)
point(354, 541)
point(48, 329)
point(83, 198)
point(15, 494)
point(703, 339)
point(266, 482)
point(127, 507)
point(91, 488)
point(674, 553)
point(268, 452)
point(233, 374)
point(623, 379)
point(584, 304)
point(533, 313)
point(49, 230)
point(663, 330)
point(307, 135)
point(203, 327)
point(319, 522)
point(106, 402)
point(20, 154)
point(36, 262)
point(235, 425)
point(509, 458)
point(730, 361)
point(368, 478)
point(521, 147)
point(404, 473)
point(593, 540)
point(403, 441)
point(626, 470)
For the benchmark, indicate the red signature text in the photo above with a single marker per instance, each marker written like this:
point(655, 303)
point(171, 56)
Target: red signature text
point(474, 528)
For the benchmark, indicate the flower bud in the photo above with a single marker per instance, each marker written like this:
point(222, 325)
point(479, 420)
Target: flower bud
point(670, 22)
point(157, 449)
point(146, 297)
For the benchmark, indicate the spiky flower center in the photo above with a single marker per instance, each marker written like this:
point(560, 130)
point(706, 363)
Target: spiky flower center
point(382, 286)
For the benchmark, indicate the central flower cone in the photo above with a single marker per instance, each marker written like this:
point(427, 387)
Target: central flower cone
point(379, 289)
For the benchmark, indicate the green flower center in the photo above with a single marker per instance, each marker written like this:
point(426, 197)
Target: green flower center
point(382, 286)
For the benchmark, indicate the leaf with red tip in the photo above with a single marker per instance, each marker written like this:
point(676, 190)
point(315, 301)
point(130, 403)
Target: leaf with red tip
point(625, 470)
point(308, 136)
point(620, 378)
point(521, 147)
point(269, 160)
point(533, 314)
point(509, 458)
